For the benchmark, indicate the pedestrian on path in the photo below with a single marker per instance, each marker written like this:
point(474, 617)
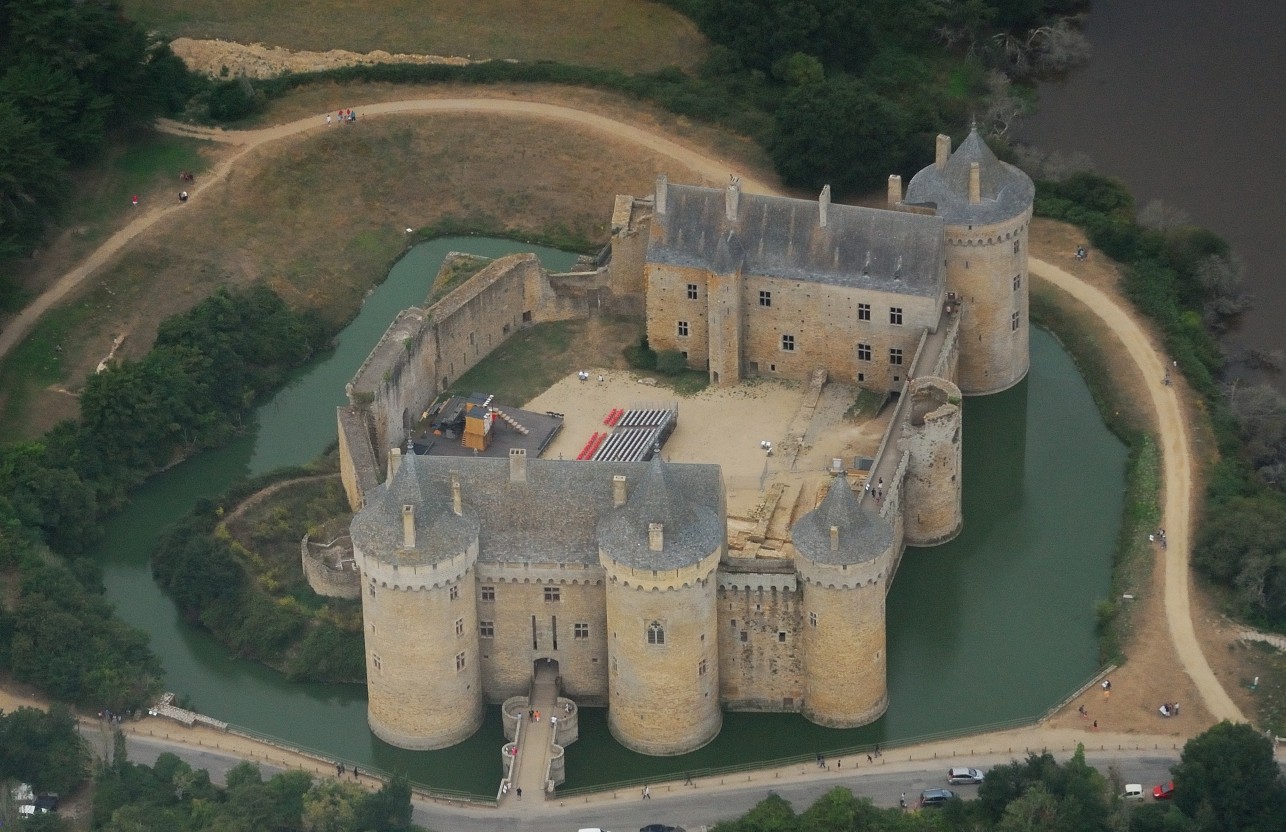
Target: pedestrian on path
point(902, 801)
point(328, 119)
point(518, 791)
point(647, 792)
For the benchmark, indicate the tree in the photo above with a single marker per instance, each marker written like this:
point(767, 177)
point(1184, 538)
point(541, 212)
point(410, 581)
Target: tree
point(1227, 779)
point(43, 749)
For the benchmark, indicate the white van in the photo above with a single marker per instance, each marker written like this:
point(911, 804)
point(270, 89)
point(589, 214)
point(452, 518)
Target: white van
point(1133, 791)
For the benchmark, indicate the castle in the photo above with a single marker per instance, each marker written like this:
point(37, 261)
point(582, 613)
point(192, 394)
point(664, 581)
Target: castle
point(618, 576)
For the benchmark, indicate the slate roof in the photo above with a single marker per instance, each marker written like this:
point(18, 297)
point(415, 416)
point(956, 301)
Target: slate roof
point(557, 515)
point(863, 534)
point(773, 236)
point(1006, 190)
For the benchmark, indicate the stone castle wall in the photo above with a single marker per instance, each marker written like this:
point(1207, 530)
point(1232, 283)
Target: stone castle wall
point(932, 440)
point(332, 581)
point(987, 269)
point(760, 646)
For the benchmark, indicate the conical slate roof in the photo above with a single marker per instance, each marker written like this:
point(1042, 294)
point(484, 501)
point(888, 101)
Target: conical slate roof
point(1006, 190)
point(691, 530)
point(440, 533)
point(863, 533)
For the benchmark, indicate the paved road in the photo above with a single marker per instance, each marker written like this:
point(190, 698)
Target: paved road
point(689, 807)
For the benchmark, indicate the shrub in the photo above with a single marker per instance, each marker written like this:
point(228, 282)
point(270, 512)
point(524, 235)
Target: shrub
point(671, 362)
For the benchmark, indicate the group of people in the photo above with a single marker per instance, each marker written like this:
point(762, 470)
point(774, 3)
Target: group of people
point(1158, 537)
point(344, 116)
point(1169, 709)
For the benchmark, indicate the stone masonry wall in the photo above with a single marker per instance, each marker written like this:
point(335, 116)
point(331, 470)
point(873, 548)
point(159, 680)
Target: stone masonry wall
point(527, 627)
point(760, 651)
point(340, 581)
point(846, 669)
point(987, 268)
point(664, 697)
point(931, 437)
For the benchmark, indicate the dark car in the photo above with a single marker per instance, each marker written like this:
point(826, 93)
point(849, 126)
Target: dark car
point(660, 827)
point(1165, 791)
point(935, 798)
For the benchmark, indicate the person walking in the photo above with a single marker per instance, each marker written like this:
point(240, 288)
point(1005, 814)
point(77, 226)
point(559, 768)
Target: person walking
point(647, 792)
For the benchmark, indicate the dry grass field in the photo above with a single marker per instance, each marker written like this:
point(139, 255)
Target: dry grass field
point(630, 35)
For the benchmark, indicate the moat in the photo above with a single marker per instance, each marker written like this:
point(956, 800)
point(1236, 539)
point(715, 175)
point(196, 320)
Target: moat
point(997, 625)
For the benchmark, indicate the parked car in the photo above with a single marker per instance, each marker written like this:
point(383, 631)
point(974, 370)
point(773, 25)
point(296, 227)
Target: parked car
point(1165, 791)
point(964, 776)
point(1133, 791)
point(935, 798)
point(661, 827)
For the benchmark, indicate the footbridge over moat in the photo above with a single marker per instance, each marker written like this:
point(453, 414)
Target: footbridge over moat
point(538, 727)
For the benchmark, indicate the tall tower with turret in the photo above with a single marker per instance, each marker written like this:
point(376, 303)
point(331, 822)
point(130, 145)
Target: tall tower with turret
point(416, 551)
point(844, 550)
point(660, 550)
point(987, 206)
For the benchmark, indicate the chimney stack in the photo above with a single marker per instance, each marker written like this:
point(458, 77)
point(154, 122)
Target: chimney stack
point(517, 465)
point(456, 504)
point(408, 527)
point(975, 183)
point(662, 185)
point(655, 536)
point(834, 538)
point(618, 490)
point(944, 151)
point(731, 199)
point(394, 460)
point(895, 190)
point(824, 206)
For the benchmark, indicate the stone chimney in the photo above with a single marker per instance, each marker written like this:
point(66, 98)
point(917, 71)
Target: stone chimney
point(655, 536)
point(618, 490)
point(456, 505)
point(394, 460)
point(824, 206)
point(517, 465)
point(895, 190)
point(408, 527)
point(732, 199)
point(944, 151)
point(662, 185)
point(834, 538)
point(975, 183)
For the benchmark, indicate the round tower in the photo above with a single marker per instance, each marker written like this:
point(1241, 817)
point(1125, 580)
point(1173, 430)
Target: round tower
point(931, 490)
point(661, 549)
point(416, 551)
point(843, 552)
point(986, 205)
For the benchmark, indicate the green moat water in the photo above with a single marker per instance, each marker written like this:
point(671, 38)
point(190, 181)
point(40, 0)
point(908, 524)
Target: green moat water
point(996, 625)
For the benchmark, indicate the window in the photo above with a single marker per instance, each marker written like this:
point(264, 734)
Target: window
point(459, 662)
point(895, 315)
point(863, 311)
point(765, 297)
point(734, 624)
point(863, 352)
point(1018, 282)
point(580, 630)
point(745, 636)
point(1014, 320)
point(459, 627)
point(781, 636)
point(683, 329)
point(701, 667)
point(895, 355)
point(371, 589)
point(553, 593)
point(488, 593)
point(1016, 249)
point(788, 343)
point(455, 592)
point(375, 660)
point(692, 291)
point(812, 619)
point(487, 629)
point(655, 633)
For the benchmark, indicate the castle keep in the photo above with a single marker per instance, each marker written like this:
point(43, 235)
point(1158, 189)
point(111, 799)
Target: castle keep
point(618, 578)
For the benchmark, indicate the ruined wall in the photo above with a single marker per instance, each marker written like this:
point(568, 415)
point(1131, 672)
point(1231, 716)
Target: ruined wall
point(332, 577)
point(931, 438)
point(358, 465)
point(526, 626)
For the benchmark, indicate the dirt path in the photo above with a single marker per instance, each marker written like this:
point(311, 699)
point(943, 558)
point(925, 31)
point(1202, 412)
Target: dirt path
point(1174, 433)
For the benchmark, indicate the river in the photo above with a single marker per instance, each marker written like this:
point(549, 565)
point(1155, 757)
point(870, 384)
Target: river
point(996, 625)
point(1184, 100)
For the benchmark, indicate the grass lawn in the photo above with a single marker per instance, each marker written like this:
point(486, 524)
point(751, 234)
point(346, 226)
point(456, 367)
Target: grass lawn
point(631, 35)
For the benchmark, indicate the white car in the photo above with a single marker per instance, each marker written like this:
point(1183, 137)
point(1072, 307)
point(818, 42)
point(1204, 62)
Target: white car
point(964, 776)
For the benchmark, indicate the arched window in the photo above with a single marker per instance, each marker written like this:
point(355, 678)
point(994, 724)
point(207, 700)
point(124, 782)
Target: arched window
point(655, 633)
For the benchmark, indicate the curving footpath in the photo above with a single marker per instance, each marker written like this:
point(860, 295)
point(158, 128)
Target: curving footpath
point(1177, 460)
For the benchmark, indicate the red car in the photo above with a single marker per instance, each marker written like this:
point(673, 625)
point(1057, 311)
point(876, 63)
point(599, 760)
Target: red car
point(1165, 791)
